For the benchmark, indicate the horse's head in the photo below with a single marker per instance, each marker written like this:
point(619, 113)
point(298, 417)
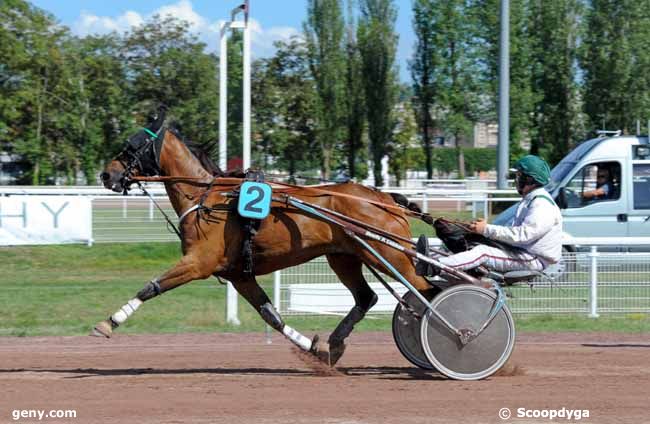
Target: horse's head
point(139, 157)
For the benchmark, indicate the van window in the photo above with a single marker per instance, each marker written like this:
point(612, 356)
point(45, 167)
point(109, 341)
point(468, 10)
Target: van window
point(566, 165)
point(641, 180)
point(596, 182)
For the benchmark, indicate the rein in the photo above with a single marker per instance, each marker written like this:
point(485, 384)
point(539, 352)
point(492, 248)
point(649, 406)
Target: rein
point(169, 221)
point(162, 179)
point(284, 188)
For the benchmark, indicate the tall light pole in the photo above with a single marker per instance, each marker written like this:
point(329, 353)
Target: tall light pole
point(231, 294)
point(223, 85)
point(504, 96)
point(247, 89)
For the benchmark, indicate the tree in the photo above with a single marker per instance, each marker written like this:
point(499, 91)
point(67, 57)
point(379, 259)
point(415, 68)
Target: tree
point(31, 69)
point(96, 115)
point(615, 60)
point(264, 110)
point(66, 102)
point(447, 67)
point(422, 66)
point(402, 156)
point(324, 37)
point(640, 83)
point(354, 101)
point(456, 75)
point(235, 94)
point(377, 44)
point(553, 31)
point(285, 101)
point(168, 65)
point(522, 99)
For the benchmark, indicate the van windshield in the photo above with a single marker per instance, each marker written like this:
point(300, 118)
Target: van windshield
point(558, 173)
point(569, 162)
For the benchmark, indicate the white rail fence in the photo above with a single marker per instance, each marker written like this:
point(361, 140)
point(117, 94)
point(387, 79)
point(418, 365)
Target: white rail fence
point(135, 218)
point(593, 283)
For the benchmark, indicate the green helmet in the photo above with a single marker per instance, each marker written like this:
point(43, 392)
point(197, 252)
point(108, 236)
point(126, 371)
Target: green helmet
point(535, 167)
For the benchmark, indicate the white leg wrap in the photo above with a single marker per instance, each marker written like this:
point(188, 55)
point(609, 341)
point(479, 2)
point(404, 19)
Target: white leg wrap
point(298, 339)
point(126, 311)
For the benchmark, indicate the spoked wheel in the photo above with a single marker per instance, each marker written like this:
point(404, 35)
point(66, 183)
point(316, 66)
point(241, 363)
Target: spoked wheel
point(406, 330)
point(467, 307)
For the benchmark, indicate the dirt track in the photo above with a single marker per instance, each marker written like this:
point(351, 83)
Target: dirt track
point(239, 379)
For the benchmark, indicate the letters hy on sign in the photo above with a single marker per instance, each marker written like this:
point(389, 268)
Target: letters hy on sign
point(45, 219)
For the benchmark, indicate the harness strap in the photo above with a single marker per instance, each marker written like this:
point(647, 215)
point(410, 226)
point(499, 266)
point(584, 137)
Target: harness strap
point(543, 196)
point(187, 212)
point(250, 227)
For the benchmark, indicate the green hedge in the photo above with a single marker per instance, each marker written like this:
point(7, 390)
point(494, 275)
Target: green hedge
point(446, 160)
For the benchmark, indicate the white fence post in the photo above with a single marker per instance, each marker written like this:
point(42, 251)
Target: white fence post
point(593, 287)
point(231, 305)
point(277, 280)
point(223, 94)
point(150, 210)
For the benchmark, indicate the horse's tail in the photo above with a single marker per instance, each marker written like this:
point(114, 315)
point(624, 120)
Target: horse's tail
point(401, 200)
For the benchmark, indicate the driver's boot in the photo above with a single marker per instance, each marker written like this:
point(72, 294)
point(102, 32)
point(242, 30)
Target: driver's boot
point(423, 268)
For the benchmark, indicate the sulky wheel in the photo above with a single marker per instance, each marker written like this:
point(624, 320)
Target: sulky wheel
point(467, 308)
point(406, 331)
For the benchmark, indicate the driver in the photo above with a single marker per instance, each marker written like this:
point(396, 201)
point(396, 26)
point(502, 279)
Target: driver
point(604, 187)
point(536, 232)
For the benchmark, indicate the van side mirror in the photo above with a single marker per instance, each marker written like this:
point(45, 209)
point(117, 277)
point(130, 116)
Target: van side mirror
point(561, 199)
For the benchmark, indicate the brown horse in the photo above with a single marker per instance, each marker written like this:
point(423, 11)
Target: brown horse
point(212, 238)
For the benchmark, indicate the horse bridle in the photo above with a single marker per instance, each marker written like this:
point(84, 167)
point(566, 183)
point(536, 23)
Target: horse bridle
point(141, 153)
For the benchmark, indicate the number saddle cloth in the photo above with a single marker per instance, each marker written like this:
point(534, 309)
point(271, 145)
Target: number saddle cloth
point(253, 206)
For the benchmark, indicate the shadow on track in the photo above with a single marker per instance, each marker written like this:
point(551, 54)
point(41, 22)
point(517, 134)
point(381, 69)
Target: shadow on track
point(391, 373)
point(635, 345)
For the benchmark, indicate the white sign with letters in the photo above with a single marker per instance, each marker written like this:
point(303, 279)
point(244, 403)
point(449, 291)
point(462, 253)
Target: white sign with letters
point(45, 220)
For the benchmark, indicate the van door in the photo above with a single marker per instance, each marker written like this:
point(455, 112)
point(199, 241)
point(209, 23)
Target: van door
point(639, 208)
point(595, 202)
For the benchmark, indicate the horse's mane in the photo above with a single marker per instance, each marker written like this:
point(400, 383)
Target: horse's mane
point(204, 152)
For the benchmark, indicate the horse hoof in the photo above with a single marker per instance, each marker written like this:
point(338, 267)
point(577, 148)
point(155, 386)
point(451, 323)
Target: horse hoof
point(102, 329)
point(335, 352)
point(319, 351)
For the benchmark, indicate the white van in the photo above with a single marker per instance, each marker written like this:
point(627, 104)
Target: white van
point(602, 188)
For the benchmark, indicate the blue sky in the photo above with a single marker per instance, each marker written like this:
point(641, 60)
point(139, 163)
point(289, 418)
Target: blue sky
point(272, 19)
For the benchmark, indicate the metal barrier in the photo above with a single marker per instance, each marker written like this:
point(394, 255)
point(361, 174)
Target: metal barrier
point(593, 283)
point(131, 219)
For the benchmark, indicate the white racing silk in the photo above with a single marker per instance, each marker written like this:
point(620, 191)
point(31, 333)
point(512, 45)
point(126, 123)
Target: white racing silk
point(537, 227)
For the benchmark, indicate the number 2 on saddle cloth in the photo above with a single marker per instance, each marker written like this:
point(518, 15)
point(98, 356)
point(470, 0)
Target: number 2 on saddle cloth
point(253, 206)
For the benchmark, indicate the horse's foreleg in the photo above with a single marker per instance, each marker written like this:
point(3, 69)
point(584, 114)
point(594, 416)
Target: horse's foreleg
point(188, 269)
point(253, 293)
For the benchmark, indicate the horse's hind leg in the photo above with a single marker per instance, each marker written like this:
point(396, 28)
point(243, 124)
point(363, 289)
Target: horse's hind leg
point(349, 270)
point(253, 293)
